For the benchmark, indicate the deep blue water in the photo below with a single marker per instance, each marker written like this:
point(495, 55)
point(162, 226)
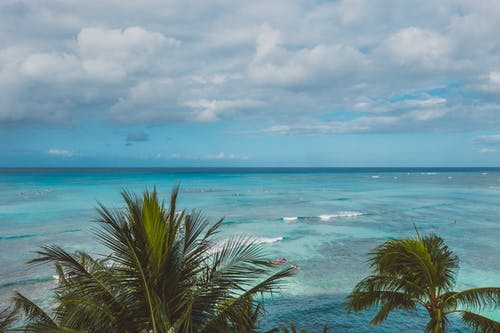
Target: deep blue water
point(325, 220)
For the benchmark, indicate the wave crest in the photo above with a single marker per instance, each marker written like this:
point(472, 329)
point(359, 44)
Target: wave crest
point(327, 217)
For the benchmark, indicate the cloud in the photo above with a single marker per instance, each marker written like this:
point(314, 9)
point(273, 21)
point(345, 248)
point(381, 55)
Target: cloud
point(224, 156)
point(60, 152)
point(139, 136)
point(62, 85)
point(204, 110)
point(488, 139)
point(487, 150)
point(274, 64)
point(99, 55)
point(324, 67)
point(207, 157)
point(485, 144)
point(414, 46)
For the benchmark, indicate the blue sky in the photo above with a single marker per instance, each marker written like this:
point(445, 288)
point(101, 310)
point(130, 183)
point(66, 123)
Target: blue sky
point(249, 83)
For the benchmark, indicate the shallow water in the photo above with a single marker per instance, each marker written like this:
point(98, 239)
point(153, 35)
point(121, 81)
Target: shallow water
point(326, 222)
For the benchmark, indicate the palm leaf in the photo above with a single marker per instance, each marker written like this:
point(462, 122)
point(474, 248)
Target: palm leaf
point(444, 261)
point(474, 299)
point(480, 323)
point(405, 258)
point(32, 312)
point(7, 318)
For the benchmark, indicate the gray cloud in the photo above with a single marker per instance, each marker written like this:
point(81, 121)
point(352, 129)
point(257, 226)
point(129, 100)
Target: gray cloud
point(301, 68)
point(139, 136)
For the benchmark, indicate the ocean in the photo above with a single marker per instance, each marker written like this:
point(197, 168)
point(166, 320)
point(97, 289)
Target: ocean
point(325, 220)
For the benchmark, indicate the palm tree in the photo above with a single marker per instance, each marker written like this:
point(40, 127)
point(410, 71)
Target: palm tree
point(165, 272)
point(421, 271)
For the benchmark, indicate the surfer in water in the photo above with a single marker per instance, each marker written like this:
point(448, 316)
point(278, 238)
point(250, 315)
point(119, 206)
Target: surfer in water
point(279, 261)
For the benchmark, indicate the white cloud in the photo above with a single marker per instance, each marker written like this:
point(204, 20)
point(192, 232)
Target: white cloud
point(224, 156)
point(117, 50)
point(215, 79)
point(60, 152)
point(204, 110)
point(487, 150)
point(149, 101)
point(274, 64)
point(95, 42)
point(100, 54)
point(488, 139)
point(489, 84)
point(426, 115)
point(268, 42)
point(414, 46)
point(52, 66)
point(285, 63)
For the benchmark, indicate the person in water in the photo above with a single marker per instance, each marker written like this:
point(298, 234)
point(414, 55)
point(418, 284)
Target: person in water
point(279, 261)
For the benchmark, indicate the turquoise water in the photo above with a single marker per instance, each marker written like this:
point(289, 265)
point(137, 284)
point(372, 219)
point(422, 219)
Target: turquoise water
point(334, 217)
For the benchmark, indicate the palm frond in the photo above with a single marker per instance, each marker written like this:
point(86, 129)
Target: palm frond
point(236, 306)
point(444, 261)
point(405, 258)
point(31, 311)
point(480, 323)
point(8, 317)
point(393, 301)
point(474, 299)
point(383, 300)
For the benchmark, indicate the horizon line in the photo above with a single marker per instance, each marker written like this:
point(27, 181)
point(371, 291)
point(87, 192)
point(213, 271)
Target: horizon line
point(243, 168)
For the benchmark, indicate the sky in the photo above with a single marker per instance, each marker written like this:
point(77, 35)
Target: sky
point(159, 83)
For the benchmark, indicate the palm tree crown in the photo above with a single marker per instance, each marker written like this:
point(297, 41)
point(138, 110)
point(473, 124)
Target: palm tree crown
point(421, 271)
point(164, 273)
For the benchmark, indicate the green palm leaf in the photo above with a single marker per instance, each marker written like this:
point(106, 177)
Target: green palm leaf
point(7, 318)
point(480, 323)
point(33, 312)
point(477, 299)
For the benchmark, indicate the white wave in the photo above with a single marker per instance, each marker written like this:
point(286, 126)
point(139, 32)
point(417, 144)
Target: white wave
point(290, 218)
point(269, 240)
point(375, 177)
point(484, 173)
point(219, 245)
point(328, 217)
point(429, 173)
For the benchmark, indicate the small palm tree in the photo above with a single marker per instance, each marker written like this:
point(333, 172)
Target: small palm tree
point(421, 271)
point(165, 273)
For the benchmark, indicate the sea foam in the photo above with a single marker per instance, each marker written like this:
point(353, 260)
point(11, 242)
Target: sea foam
point(327, 217)
point(268, 240)
point(218, 246)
